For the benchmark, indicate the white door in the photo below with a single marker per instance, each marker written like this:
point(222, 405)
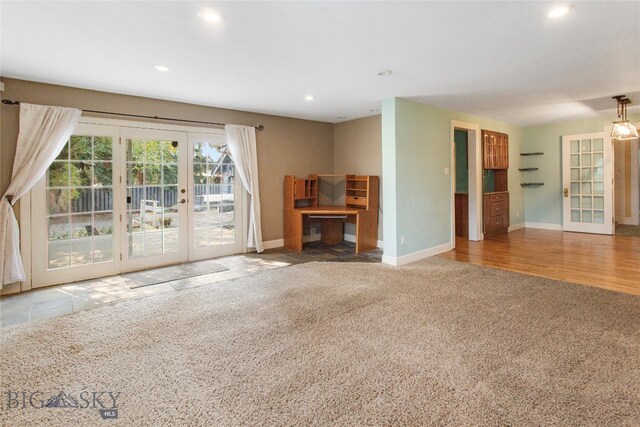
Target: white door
point(587, 169)
point(215, 214)
point(155, 225)
point(74, 207)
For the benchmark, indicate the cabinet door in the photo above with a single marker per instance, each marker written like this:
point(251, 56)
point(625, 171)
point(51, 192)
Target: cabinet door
point(504, 151)
point(487, 149)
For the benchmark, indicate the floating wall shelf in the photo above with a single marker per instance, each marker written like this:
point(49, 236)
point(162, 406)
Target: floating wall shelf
point(527, 169)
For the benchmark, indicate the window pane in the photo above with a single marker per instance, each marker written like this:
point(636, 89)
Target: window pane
point(87, 188)
point(103, 224)
point(169, 151)
point(103, 174)
point(81, 147)
point(103, 199)
point(58, 201)
point(102, 148)
point(81, 173)
point(170, 174)
point(58, 174)
point(586, 145)
point(58, 254)
point(81, 200)
point(103, 249)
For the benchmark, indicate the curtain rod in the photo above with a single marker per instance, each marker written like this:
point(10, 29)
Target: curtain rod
point(260, 127)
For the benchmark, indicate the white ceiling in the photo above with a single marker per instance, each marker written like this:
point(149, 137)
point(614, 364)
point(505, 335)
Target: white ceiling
point(503, 60)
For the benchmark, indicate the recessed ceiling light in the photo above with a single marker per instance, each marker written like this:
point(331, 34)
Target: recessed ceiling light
point(309, 98)
point(162, 68)
point(558, 11)
point(341, 117)
point(385, 73)
point(210, 15)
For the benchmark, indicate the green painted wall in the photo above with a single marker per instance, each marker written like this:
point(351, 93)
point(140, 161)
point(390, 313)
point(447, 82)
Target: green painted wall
point(415, 152)
point(544, 204)
point(462, 161)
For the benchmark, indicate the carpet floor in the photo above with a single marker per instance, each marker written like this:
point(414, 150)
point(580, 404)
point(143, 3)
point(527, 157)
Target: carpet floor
point(434, 343)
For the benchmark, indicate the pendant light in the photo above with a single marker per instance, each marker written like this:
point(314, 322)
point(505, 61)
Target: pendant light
point(622, 129)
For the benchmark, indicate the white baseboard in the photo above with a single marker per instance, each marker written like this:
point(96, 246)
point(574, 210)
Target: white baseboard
point(416, 256)
point(352, 238)
point(543, 225)
point(627, 220)
point(273, 244)
point(517, 226)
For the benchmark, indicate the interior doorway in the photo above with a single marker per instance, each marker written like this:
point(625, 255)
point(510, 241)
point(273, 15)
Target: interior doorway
point(466, 181)
point(461, 212)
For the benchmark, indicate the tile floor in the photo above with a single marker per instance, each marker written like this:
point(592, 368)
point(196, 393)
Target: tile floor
point(68, 298)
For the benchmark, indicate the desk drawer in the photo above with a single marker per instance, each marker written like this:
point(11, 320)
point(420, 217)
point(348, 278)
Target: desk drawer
point(357, 201)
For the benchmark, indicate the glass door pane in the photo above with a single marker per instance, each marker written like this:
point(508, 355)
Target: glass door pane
point(155, 197)
point(152, 197)
point(79, 189)
point(74, 227)
point(216, 206)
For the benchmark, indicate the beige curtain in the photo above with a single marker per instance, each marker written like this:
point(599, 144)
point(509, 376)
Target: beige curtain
point(43, 132)
point(242, 144)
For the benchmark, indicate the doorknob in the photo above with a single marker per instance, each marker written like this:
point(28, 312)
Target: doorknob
point(566, 192)
point(183, 201)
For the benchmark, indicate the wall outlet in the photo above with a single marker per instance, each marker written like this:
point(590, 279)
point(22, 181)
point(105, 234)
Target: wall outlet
point(446, 171)
point(402, 240)
point(312, 230)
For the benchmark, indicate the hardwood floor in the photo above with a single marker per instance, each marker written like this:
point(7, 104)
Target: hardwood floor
point(610, 262)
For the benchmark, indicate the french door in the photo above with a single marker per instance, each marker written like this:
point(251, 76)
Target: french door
point(587, 169)
point(155, 189)
point(121, 198)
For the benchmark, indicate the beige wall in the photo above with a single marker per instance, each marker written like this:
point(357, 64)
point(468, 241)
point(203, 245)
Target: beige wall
point(285, 147)
point(357, 149)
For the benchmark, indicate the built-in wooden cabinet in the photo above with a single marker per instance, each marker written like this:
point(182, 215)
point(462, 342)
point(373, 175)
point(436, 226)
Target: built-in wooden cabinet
point(495, 150)
point(496, 213)
point(462, 214)
point(495, 155)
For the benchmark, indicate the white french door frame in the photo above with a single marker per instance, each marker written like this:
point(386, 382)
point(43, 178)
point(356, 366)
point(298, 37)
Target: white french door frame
point(31, 226)
point(608, 192)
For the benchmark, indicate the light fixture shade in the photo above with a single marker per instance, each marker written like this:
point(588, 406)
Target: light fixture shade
point(623, 130)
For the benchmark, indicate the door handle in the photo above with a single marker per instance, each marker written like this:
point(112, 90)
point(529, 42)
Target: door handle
point(566, 192)
point(183, 201)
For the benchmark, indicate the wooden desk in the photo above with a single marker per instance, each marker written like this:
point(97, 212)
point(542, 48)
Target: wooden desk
point(332, 219)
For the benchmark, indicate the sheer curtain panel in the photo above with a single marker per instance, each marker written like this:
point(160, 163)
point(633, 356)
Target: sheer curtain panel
point(242, 144)
point(43, 132)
